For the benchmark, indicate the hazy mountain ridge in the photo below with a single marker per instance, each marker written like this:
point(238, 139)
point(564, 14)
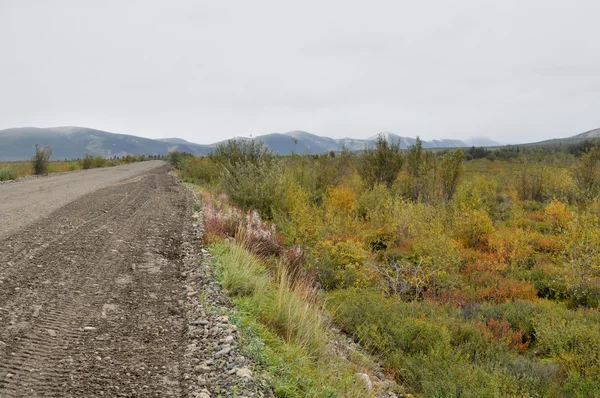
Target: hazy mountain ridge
point(76, 142)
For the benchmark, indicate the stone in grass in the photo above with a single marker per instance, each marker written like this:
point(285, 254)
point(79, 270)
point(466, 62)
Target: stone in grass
point(244, 373)
point(365, 380)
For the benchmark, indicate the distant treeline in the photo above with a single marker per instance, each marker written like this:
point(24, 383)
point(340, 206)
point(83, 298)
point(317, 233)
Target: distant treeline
point(576, 149)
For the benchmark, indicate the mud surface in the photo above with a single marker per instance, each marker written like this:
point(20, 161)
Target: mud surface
point(92, 294)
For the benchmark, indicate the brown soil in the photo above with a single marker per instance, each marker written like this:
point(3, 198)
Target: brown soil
point(91, 291)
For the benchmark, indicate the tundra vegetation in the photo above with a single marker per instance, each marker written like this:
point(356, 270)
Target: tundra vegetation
point(470, 273)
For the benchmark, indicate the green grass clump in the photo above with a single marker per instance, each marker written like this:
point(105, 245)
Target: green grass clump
point(240, 273)
point(285, 331)
point(7, 173)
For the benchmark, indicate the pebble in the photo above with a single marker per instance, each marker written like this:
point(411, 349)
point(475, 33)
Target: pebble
point(244, 373)
point(202, 369)
point(224, 351)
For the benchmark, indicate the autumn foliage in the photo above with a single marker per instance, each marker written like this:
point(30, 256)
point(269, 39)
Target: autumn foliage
point(441, 265)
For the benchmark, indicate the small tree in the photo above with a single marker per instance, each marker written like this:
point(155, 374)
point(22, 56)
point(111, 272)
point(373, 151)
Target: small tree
point(452, 168)
point(86, 163)
point(422, 173)
point(41, 160)
point(587, 174)
point(250, 174)
point(381, 165)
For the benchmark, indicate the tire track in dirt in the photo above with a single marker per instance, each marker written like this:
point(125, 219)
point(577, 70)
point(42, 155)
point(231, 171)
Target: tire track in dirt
point(91, 297)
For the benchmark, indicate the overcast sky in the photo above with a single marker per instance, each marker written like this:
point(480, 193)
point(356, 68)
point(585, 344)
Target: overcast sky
point(513, 71)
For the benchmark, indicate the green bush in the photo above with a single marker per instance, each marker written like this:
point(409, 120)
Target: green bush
point(435, 353)
point(7, 173)
point(531, 181)
point(199, 170)
point(98, 162)
point(250, 175)
point(41, 160)
point(382, 164)
point(86, 162)
point(178, 158)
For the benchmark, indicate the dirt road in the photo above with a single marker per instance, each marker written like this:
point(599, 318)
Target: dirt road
point(91, 293)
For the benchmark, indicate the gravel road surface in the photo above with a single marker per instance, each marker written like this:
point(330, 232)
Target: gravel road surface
point(24, 201)
point(92, 297)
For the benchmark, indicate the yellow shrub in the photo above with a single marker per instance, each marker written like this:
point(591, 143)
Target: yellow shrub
point(558, 215)
point(339, 208)
point(341, 261)
point(340, 200)
point(473, 228)
point(511, 245)
point(376, 206)
point(298, 220)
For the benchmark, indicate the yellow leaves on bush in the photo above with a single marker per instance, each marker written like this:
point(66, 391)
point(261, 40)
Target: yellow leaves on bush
point(298, 218)
point(339, 208)
point(473, 227)
point(340, 199)
point(511, 245)
point(582, 247)
point(342, 262)
point(344, 251)
point(477, 193)
point(558, 215)
point(376, 206)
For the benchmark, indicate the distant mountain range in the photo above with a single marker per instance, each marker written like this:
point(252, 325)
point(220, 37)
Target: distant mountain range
point(76, 142)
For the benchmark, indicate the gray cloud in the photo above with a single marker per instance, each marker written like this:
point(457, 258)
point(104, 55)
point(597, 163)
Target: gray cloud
point(203, 70)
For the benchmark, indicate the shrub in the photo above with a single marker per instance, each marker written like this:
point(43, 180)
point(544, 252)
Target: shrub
point(382, 164)
point(582, 257)
point(98, 162)
point(199, 170)
point(571, 339)
point(41, 160)
point(531, 181)
point(418, 183)
point(560, 185)
point(511, 245)
point(177, 158)
point(258, 236)
point(473, 227)
point(339, 208)
point(450, 172)
point(339, 261)
point(251, 175)
point(7, 173)
point(87, 161)
point(296, 217)
point(587, 173)
point(558, 215)
point(376, 206)
point(434, 354)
